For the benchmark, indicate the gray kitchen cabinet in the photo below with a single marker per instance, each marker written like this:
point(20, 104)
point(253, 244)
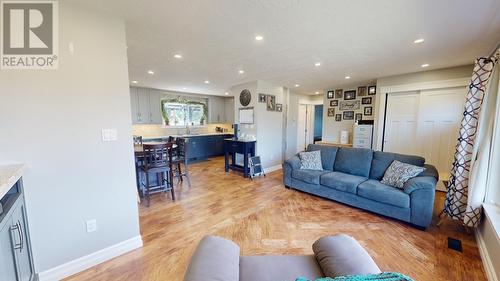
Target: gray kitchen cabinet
point(229, 110)
point(16, 262)
point(144, 107)
point(216, 110)
point(134, 105)
point(7, 256)
point(155, 107)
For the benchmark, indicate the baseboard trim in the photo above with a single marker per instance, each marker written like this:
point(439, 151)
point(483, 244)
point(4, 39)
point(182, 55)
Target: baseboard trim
point(88, 261)
point(272, 168)
point(485, 257)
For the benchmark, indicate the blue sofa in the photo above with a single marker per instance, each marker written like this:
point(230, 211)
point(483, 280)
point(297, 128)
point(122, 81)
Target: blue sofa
point(352, 176)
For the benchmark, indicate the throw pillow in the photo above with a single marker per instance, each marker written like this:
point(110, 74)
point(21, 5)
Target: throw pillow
point(398, 173)
point(310, 160)
point(384, 276)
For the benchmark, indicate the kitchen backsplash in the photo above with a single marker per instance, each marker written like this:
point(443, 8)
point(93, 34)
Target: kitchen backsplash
point(160, 130)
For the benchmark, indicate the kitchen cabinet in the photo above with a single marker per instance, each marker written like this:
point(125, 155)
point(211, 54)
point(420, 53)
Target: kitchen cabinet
point(145, 106)
point(203, 147)
point(216, 110)
point(16, 262)
point(229, 110)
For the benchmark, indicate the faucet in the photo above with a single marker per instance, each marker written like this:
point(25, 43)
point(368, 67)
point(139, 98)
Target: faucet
point(188, 131)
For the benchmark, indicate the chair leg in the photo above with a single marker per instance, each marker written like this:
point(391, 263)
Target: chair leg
point(171, 183)
point(148, 199)
point(179, 172)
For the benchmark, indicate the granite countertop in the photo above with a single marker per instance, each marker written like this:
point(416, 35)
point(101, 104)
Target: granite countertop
point(186, 135)
point(9, 175)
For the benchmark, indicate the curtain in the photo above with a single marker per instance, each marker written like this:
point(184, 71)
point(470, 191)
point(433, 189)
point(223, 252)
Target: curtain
point(469, 173)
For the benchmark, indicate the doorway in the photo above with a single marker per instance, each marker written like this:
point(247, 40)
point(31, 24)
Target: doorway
point(425, 123)
point(305, 126)
point(318, 122)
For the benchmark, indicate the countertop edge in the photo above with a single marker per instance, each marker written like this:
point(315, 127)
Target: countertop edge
point(187, 136)
point(9, 175)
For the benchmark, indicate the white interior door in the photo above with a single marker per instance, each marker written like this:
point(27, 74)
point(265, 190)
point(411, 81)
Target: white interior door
point(305, 129)
point(425, 123)
point(439, 122)
point(401, 123)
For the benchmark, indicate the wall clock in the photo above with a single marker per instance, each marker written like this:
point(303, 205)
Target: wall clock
point(245, 97)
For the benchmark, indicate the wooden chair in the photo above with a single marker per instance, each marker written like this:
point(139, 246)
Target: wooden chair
point(181, 157)
point(157, 160)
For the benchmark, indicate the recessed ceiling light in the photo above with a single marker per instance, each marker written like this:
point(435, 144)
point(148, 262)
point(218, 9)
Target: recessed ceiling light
point(241, 71)
point(151, 72)
point(419, 40)
point(425, 65)
point(134, 82)
point(178, 56)
point(259, 37)
point(296, 85)
point(207, 82)
point(348, 77)
point(317, 93)
point(184, 88)
point(226, 93)
point(317, 64)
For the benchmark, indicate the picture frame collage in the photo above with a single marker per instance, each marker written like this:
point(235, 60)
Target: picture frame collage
point(344, 104)
point(270, 101)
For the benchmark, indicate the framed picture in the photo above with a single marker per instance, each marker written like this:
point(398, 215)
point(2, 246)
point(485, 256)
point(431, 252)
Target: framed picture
point(349, 104)
point(334, 102)
point(372, 90)
point(368, 110)
point(329, 95)
point(350, 95)
point(366, 101)
point(338, 117)
point(262, 97)
point(358, 116)
point(361, 91)
point(279, 107)
point(271, 102)
point(348, 115)
point(331, 112)
point(339, 93)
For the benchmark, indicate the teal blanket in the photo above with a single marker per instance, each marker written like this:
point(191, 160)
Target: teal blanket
point(385, 276)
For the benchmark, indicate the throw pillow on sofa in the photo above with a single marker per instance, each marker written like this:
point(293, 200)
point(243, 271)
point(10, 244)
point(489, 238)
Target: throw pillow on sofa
point(310, 160)
point(398, 173)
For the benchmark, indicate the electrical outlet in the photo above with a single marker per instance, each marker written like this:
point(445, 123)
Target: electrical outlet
point(91, 225)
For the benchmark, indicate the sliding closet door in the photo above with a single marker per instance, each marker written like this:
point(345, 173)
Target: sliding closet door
point(439, 122)
point(401, 123)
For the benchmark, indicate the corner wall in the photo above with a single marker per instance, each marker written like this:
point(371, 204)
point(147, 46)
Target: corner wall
point(52, 120)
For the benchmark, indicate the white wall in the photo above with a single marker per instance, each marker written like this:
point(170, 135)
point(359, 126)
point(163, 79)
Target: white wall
point(52, 120)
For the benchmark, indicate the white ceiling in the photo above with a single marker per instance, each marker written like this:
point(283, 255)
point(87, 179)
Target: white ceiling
point(364, 39)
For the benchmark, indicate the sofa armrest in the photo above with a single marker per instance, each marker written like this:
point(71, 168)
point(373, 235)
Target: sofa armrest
point(422, 191)
point(342, 255)
point(215, 259)
point(288, 166)
point(420, 182)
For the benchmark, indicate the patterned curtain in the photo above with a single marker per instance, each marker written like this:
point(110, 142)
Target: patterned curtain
point(457, 204)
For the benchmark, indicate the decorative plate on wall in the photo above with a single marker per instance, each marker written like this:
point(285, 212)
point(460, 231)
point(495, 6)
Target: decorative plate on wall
point(245, 97)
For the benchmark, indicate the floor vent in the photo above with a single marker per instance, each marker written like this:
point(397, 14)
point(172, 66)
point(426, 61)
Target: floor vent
point(455, 244)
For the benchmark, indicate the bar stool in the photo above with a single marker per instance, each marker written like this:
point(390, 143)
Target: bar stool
point(181, 157)
point(157, 160)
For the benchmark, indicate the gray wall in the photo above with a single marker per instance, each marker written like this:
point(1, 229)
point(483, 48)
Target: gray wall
point(52, 120)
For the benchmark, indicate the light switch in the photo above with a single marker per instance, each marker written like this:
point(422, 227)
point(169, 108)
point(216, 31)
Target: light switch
point(109, 135)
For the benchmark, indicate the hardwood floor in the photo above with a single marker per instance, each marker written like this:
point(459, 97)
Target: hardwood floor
point(263, 217)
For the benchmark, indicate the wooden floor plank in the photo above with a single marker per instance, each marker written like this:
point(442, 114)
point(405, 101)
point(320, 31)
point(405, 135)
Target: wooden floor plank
point(263, 217)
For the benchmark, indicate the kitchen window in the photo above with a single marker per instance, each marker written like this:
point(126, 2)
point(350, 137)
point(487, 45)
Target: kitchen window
point(177, 114)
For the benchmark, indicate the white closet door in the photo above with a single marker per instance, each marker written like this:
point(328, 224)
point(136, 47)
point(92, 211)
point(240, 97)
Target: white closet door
point(439, 122)
point(401, 123)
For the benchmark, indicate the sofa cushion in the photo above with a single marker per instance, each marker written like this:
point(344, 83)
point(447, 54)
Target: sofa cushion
point(310, 160)
point(398, 173)
point(309, 176)
point(341, 181)
point(382, 160)
point(277, 268)
point(377, 191)
point(354, 161)
point(342, 255)
point(328, 154)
